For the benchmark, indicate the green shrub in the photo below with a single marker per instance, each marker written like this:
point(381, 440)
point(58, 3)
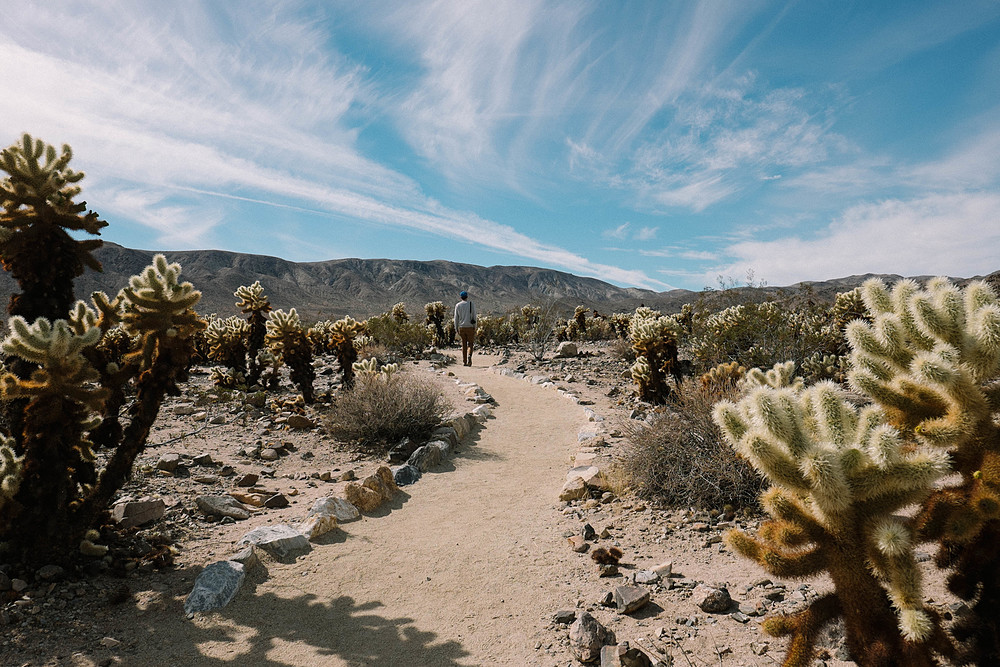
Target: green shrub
point(399, 336)
point(681, 460)
point(381, 410)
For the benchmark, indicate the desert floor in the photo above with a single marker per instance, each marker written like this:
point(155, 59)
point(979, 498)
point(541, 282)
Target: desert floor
point(465, 567)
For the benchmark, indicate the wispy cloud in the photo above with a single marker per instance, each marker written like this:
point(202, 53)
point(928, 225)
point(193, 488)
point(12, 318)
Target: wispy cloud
point(721, 140)
point(202, 99)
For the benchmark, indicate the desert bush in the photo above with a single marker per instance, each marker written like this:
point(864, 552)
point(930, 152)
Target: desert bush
point(681, 460)
point(400, 337)
point(382, 409)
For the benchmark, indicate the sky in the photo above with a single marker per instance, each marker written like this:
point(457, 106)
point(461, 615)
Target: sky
point(658, 144)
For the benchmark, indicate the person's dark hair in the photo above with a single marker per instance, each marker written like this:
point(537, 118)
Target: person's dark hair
point(463, 294)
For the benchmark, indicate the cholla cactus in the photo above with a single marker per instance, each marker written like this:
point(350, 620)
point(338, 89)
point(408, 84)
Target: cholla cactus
point(621, 322)
point(838, 475)
point(228, 378)
point(435, 318)
point(369, 369)
point(256, 305)
point(343, 334)
point(160, 310)
point(399, 313)
point(931, 359)
point(11, 470)
point(654, 338)
point(580, 318)
point(819, 366)
point(288, 340)
point(722, 377)
point(270, 365)
point(366, 367)
point(38, 209)
point(228, 343)
point(68, 364)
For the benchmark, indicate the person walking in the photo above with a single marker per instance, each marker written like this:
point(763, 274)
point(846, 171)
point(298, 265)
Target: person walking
point(465, 324)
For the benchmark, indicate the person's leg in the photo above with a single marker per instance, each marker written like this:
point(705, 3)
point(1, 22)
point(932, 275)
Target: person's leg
point(472, 344)
point(464, 335)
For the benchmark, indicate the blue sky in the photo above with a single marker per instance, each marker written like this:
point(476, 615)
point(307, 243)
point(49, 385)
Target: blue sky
point(654, 144)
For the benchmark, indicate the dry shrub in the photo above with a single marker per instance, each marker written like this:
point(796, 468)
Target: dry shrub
point(380, 411)
point(621, 348)
point(681, 460)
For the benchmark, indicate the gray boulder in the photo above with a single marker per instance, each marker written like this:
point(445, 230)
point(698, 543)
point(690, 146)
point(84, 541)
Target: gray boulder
point(215, 587)
point(587, 636)
point(405, 475)
point(282, 542)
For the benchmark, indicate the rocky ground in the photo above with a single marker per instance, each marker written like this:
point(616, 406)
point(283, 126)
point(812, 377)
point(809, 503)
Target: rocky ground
point(699, 604)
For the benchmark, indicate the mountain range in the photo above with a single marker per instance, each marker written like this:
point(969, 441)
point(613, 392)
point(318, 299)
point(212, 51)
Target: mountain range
point(365, 287)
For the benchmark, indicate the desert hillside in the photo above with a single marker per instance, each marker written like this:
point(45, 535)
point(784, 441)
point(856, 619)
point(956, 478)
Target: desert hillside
point(363, 287)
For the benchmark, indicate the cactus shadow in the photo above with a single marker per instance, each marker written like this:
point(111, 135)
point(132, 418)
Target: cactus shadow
point(268, 629)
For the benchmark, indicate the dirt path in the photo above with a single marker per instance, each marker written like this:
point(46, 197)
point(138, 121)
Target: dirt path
point(454, 572)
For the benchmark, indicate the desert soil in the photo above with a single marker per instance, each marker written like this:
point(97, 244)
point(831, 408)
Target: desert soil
point(466, 567)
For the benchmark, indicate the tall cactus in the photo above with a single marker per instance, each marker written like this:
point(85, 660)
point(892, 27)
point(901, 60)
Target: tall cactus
point(289, 341)
point(654, 339)
point(256, 305)
point(62, 492)
point(343, 332)
point(931, 359)
point(38, 214)
point(435, 317)
point(839, 474)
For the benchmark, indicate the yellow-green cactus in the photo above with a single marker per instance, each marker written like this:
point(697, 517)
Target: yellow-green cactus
point(67, 365)
point(931, 359)
point(435, 317)
point(11, 470)
point(839, 474)
point(399, 313)
point(256, 305)
point(159, 308)
point(343, 334)
point(366, 367)
point(37, 210)
point(654, 339)
point(289, 341)
point(722, 377)
point(228, 343)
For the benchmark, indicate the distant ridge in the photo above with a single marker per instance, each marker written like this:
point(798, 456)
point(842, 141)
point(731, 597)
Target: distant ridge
point(365, 287)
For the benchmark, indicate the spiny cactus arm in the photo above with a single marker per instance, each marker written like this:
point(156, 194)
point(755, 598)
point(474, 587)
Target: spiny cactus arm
point(775, 558)
point(252, 298)
point(894, 560)
point(11, 469)
point(907, 480)
point(804, 627)
point(788, 508)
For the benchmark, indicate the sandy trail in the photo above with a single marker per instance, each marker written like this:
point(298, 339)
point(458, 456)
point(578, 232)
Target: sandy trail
point(460, 570)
